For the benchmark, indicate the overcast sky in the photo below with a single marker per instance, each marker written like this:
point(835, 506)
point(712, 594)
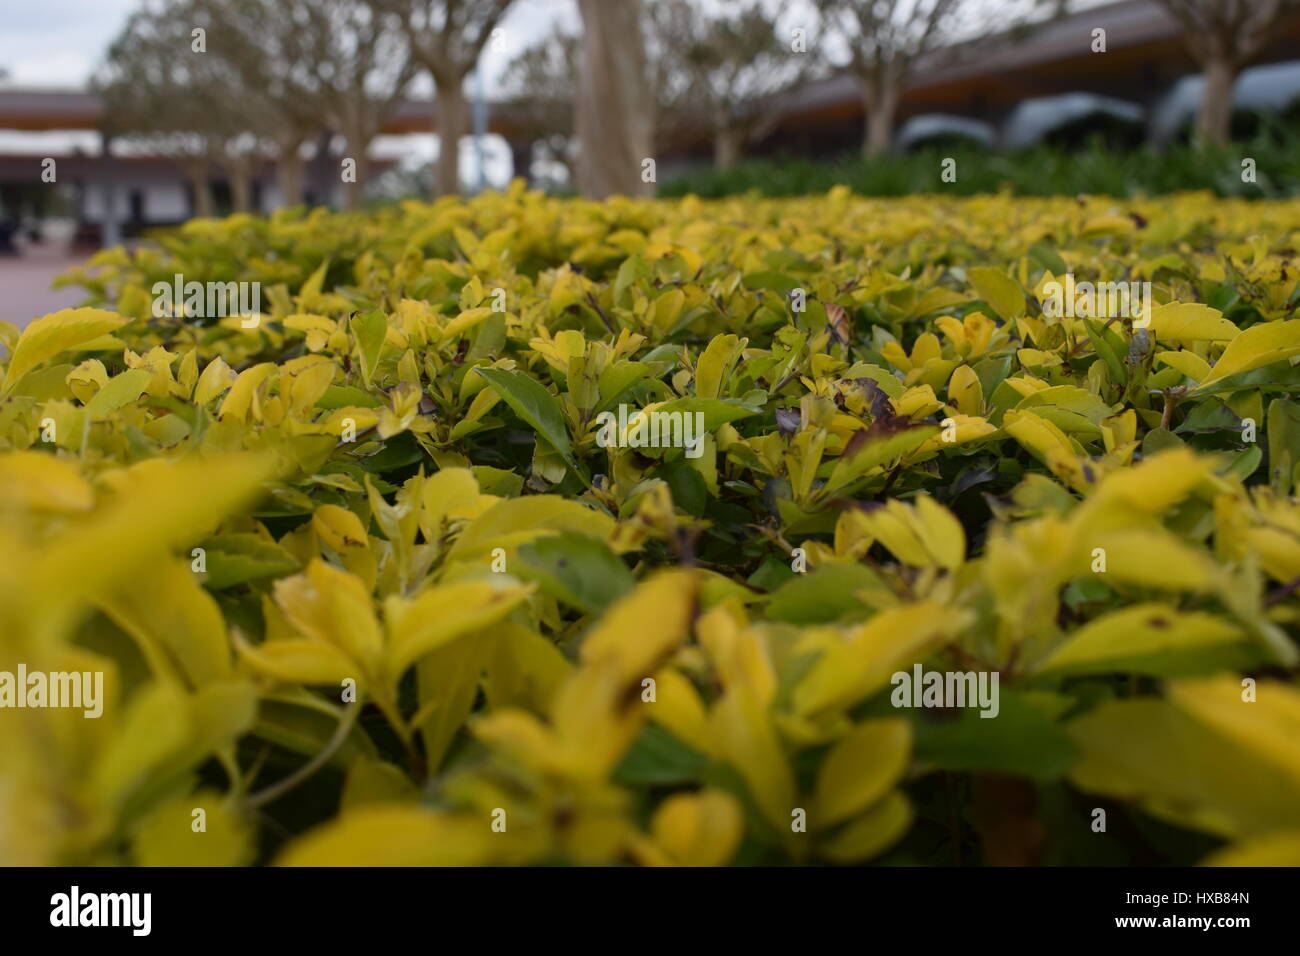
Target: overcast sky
point(58, 43)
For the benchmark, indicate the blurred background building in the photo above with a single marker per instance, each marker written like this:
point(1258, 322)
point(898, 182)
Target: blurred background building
point(200, 107)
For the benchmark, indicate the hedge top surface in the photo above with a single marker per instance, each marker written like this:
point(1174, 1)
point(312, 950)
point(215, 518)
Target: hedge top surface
point(410, 517)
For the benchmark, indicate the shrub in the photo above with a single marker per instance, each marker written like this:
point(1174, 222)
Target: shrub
point(1046, 170)
point(367, 584)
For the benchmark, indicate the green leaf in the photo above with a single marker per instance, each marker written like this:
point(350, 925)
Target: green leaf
point(884, 441)
point(370, 329)
point(1022, 739)
point(1100, 344)
point(716, 411)
point(576, 569)
point(999, 290)
point(618, 379)
point(238, 558)
point(312, 287)
point(342, 396)
point(530, 400)
point(1283, 444)
point(659, 759)
point(449, 683)
point(822, 595)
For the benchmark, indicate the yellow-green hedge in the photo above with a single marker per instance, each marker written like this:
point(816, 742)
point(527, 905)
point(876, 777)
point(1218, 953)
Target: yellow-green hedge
point(564, 652)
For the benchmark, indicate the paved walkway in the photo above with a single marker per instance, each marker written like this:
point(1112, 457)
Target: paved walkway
point(25, 292)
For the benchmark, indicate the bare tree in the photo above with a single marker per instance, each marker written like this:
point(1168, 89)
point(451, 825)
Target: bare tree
point(157, 90)
point(361, 68)
point(615, 108)
point(230, 102)
point(732, 64)
point(884, 39)
point(541, 81)
point(1223, 36)
point(446, 38)
point(266, 42)
point(235, 114)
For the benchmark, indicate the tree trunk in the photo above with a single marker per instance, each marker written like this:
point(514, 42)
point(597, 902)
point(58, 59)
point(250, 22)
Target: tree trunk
point(241, 186)
point(197, 173)
point(880, 98)
point(614, 106)
point(288, 172)
point(356, 149)
point(1214, 123)
point(452, 120)
point(521, 159)
point(726, 147)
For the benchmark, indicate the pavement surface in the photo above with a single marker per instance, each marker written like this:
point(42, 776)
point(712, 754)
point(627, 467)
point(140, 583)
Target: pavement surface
point(25, 292)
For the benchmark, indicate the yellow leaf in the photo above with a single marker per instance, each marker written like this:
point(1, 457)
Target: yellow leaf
point(738, 653)
point(864, 660)
point(55, 333)
point(714, 363)
point(158, 508)
point(680, 710)
point(1267, 727)
point(393, 835)
point(177, 624)
point(516, 521)
point(860, 769)
point(668, 308)
point(964, 391)
point(698, 829)
point(1256, 347)
point(1139, 638)
point(1048, 443)
point(342, 531)
point(43, 482)
point(565, 290)
point(465, 321)
point(445, 494)
point(443, 613)
point(641, 629)
point(216, 377)
point(371, 780)
point(870, 834)
point(526, 670)
point(448, 681)
point(925, 534)
point(1184, 769)
point(1278, 848)
point(169, 835)
point(155, 727)
point(301, 661)
point(1152, 557)
point(1151, 487)
point(1189, 363)
point(745, 737)
point(333, 607)
point(1184, 322)
point(242, 396)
